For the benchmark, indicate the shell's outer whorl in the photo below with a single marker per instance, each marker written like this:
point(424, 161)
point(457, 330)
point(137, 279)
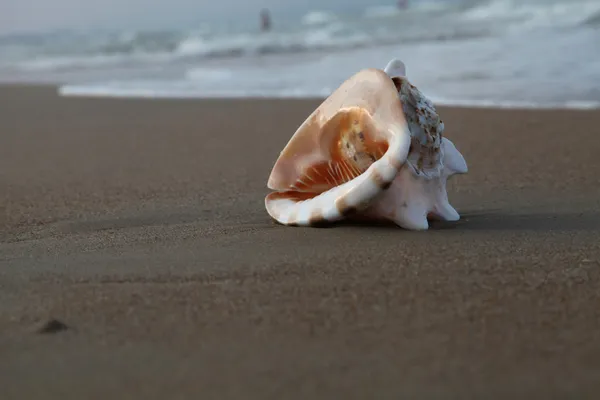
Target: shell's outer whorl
point(426, 128)
point(345, 154)
point(419, 190)
point(410, 200)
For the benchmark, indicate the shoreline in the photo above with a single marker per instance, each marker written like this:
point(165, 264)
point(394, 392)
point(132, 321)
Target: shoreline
point(81, 91)
point(64, 90)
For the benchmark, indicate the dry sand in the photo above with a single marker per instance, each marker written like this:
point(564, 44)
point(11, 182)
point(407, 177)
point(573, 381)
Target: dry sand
point(140, 225)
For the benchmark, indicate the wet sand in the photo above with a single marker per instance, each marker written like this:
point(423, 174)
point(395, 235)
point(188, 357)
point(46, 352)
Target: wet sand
point(140, 226)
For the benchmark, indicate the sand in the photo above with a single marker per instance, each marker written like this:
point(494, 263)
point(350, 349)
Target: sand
point(140, 227)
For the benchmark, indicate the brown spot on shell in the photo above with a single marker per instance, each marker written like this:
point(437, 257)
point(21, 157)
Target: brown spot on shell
point(397, 82)
point(316, 217)
point(344, 208)
point(380, 181)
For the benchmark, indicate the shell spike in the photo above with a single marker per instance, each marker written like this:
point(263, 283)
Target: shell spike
point(444, 211)
point(454, 162)
point(412, 217)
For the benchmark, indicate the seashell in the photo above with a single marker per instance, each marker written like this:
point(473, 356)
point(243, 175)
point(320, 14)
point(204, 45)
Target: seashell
point(374, 149)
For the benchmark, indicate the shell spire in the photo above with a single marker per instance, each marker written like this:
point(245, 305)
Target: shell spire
point(395, 69)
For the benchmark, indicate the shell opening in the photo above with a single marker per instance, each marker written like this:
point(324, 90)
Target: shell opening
point(361, 165)
point(352, 147)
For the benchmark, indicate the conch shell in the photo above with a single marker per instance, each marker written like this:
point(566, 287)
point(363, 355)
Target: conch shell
point(374, 148)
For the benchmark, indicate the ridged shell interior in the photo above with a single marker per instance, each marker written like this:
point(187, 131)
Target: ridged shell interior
point(351, 147)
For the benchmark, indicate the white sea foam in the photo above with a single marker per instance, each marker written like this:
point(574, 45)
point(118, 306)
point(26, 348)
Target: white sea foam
point(118, 91)
point(318, 18)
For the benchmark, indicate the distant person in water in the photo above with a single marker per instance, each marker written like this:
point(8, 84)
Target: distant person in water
point(265, 20)
point(402, 4)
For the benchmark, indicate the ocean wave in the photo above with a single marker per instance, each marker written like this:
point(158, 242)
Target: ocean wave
point(73, 63)
point(330, 37)
point(593, 20)
point(333, 37)
point(318, 18)
point(316, 31)
point(519, 15)
point(517, 105)
point(212, 74)
point(118, 90)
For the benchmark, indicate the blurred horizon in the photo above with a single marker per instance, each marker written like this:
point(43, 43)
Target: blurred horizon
point(111, 15)
point(478, 52)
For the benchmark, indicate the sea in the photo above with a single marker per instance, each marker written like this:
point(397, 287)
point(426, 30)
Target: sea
point(486, 53)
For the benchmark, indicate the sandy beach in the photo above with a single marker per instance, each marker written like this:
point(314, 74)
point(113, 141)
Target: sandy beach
point(140, 225)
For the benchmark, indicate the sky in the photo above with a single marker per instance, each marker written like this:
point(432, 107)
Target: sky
point(18, 16)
